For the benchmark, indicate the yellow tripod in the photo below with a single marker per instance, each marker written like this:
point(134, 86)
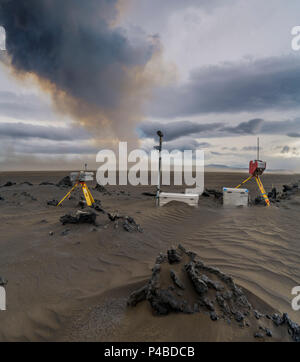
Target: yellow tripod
point(260, 185)
point(86, 192)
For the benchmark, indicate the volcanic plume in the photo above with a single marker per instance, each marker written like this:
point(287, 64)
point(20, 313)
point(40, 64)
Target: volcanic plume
point(94, 71)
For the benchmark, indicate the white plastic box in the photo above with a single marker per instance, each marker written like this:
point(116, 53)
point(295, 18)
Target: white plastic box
point(190, 199)
point(235, 197)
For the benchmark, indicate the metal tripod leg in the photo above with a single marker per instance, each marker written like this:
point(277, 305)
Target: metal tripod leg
point(249, 178)
point(68, 194)
point(87, 194)
point(91, 196)
point(262, 190)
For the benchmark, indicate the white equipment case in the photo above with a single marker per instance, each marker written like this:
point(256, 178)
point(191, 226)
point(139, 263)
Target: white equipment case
point(235, 197)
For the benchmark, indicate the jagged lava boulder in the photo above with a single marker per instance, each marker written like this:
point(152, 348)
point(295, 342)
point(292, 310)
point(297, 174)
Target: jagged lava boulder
point(182, 283)
point(79, 217)
point(65, 182)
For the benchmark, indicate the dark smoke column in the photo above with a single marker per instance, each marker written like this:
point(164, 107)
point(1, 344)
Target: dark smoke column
point(72, 45)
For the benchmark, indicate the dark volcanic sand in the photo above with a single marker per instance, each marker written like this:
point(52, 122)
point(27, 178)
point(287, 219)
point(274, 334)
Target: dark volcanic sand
point(73, 285)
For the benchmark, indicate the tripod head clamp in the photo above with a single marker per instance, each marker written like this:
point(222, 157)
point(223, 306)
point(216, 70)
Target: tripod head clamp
point(82, 176)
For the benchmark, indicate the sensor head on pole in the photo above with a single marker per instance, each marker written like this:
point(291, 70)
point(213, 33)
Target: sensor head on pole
point(257, 167)
point(160, 134)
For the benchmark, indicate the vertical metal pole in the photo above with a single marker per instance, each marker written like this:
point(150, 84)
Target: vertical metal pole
point(257, 148)
point(159, 168)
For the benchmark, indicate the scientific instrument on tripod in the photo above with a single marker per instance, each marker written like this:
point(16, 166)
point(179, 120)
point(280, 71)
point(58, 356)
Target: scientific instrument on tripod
point(80, 178)
point(256, 169)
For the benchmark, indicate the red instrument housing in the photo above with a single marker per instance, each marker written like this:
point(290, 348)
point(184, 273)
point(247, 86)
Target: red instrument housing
point(257, 167)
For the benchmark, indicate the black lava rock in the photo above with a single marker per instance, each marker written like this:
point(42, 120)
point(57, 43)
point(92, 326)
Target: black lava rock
point(199, 285)
point(137, 296)
point(9, 183)
point(277, 319)
point(259, 200)
point(173, 256)
point(80, 217)
point(293, 327)
point(208, 304)
point(100, 188)
point(27, 183)
point(213, 316)
point(130, 225)
point(258, 335)
point(217, 194)
point(99, 209)
point(269, 332)
point(65, 232)
point(229, 304)
point(286, 188)
point(113, 217)
point(163, 301)
point(238, 316)
point(176, 279)
point(128, 222)
point(3, 282)
point(257, 314)
point(81, 204)
point(273, 194)
point(150, 194)
point(52, 202)
point(210, 283)
point(66, 181)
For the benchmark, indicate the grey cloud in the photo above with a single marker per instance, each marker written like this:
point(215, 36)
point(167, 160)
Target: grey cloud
point(289, 126)
point(24, 107)
point(293, 134)
point(270, 83)
point(94, 69)
point(253, 126)
point(174, 130)
point(285, 149)
point(224, 154)
point(163, 9)
point(153, 15)
point(55, 149)
point(71, 44)
point(45, 147)
point(27, 131)
point(229, 148)
point(250, 148)
point(185, 143)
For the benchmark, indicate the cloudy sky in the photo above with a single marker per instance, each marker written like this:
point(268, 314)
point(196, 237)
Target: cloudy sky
point(210, 74)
